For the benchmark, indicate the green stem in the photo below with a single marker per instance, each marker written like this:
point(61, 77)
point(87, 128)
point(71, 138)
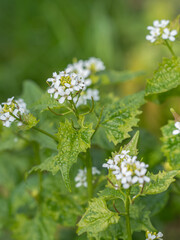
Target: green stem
point(128, 226)
point(74, 109)
point(98, 123)
point(89, 175)
point(46, 133)
point(170, 48)
point(36, 128)
point(36, 148)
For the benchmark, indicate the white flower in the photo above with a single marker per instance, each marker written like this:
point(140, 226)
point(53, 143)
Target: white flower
point(94, 64)
point(65, 85)
point(78, 68)
point(87, 95)
point(159, 30)
point(177, 125)
point(156, 236)
point(81, 178)
point(11, 110)
point(127, 169)
point(167, 34)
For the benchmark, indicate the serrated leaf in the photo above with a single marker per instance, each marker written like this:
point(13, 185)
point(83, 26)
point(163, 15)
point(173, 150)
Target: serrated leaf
point(30, 121)
point(71, 142)
point(139, 217)
point(165, 78)
point(119, 118)
point(97, 217)
point(171, 145)
point(159, 182)
point(132, 145)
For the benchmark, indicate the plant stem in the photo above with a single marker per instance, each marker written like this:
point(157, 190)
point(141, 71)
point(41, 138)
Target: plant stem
point(74, 109)
point(98, 123)
point(36, 128)
point(38, 161)
point(170, 48)
point(89, 174)
point(46, 133)
point(128, 226)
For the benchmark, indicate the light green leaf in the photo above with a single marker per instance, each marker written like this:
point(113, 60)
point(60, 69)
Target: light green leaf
point(171, 145)
point(44, 102)
point(119, 118)
point(37, 228)
point(31, 92)
point(165, 78)
point(111, 193)
point(71, 142)
point(97, 217)
point(132, 145)
point(113, 77)
point(159, 182)
point(30, 121)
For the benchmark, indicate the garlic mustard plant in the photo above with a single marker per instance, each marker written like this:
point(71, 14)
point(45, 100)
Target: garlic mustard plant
point(54, 146)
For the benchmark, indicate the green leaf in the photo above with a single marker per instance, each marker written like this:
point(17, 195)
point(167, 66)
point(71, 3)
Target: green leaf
point(113, 77)
point(71, 142)
point(132, 145)
point(37, 228)
point(165, 78)
point(31, 92)
point(44, 102)
point(171, 145)
point(30, 121)
point(119, 118)
point(139, 217)
point(97, 217)
point(159, 182)
point(111, 193)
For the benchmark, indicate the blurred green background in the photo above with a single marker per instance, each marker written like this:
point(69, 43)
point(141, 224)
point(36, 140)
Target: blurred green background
point(43, 36)
point(39, 37)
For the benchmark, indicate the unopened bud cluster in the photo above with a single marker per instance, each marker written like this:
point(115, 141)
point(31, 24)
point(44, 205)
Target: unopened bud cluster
point(12, 110)
point(154, 236)
point(160, 30)
point(127, 169)
point(81, 178)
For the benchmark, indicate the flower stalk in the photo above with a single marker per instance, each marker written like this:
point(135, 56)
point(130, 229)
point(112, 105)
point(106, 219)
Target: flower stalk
point(128, 226)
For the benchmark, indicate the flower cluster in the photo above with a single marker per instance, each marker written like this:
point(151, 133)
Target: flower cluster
point(64, 85)
point(74, 80)
point(127, 169)
point(88, 95)
point(12, 110)
point(160, 30)
point(81, 179)
point(177, 131)
point(154, 236)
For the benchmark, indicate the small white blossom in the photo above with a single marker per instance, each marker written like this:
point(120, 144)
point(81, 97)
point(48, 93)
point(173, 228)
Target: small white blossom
point(154, 236)
point(65, 85)
point(167, 34)
point(177, 131)
point(127, 169)
point(87, 95)
point(78, 68)
point(94, 64)
point(11, 110)
point(81, 178)
point(160, 30)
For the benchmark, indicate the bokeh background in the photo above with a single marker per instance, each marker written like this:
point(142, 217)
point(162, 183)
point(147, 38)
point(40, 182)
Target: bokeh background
point(43, 36)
